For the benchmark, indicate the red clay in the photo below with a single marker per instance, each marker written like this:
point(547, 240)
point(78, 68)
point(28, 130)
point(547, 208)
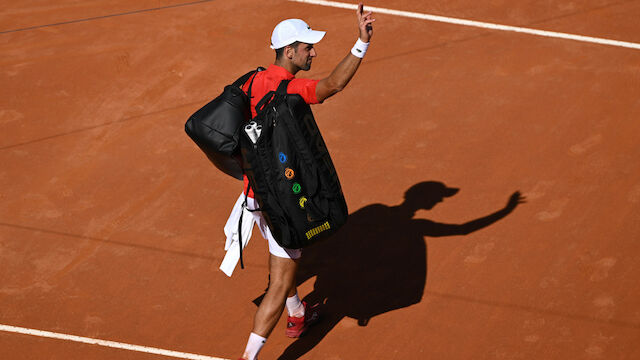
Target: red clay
point(111, 219)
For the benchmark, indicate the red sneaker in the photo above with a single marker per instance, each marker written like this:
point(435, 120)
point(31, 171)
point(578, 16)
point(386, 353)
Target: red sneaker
point(297, 326)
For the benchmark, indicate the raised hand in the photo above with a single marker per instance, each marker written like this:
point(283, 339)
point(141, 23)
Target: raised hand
point(515, 199)
point(364, 24)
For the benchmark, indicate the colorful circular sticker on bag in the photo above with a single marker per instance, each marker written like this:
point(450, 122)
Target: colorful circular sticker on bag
point(282, 157)
point(296, 188)
point(289, 173)
point(302, 201)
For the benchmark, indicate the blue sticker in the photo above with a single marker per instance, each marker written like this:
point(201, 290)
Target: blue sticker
point(282, 157)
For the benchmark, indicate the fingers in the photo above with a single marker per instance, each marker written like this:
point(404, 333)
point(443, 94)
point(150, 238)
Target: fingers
point(366, 18)
point(365, 21)
point(516, 199)
point(361, 13)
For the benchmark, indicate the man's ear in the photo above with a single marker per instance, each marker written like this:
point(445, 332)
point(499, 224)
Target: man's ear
point(289, 52)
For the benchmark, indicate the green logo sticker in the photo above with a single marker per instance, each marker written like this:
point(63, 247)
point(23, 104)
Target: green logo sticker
point(296, 188)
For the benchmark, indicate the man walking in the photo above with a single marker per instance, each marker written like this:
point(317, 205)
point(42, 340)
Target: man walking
point(293, 41)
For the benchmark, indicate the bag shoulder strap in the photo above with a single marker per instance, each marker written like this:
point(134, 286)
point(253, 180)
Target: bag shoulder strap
point(282, 88)
point(244, 206)
point(244, 78)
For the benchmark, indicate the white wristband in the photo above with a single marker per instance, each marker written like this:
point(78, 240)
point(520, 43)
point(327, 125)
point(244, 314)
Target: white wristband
point(360, 48)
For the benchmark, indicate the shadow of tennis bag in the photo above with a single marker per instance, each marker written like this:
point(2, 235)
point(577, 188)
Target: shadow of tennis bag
point(284, 157)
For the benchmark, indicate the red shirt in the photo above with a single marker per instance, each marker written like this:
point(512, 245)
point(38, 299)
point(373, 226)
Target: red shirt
point(268, 80)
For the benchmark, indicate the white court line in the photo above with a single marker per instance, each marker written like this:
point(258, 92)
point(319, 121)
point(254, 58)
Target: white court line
point(479, 24)
point(111, 344)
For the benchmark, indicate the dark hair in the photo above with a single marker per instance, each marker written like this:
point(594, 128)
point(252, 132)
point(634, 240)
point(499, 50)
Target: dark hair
point(280, 51)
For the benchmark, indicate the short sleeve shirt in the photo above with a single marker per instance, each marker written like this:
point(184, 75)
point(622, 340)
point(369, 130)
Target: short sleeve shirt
point(268, 80)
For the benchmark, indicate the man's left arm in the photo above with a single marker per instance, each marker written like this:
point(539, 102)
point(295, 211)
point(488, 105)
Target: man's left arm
point(344, 71)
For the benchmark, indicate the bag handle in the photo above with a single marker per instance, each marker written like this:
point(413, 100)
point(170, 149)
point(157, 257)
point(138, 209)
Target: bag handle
point(281, 90)
point(264, 101)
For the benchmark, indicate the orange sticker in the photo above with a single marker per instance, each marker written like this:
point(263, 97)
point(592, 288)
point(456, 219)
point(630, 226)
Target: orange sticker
point(289, 173)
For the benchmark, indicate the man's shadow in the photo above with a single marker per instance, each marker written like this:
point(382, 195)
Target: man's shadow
point(378, 261)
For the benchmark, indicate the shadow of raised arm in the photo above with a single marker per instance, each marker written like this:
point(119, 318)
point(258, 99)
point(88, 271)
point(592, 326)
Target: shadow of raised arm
point(430, 228)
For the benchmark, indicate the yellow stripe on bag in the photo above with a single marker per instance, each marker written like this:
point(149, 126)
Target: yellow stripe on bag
point(317, 230)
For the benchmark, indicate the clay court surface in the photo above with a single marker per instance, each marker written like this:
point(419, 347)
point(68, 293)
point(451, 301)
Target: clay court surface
point(111, 218)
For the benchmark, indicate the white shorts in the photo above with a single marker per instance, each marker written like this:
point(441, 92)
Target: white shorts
point(274, 248)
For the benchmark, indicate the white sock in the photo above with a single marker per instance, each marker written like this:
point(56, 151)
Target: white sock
point(255, 343)
point(295, 306)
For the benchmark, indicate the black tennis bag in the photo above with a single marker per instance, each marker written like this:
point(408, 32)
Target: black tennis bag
point(215, 127)
point(291, 172)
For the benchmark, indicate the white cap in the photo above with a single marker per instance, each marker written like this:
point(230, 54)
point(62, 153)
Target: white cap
point(291, 30)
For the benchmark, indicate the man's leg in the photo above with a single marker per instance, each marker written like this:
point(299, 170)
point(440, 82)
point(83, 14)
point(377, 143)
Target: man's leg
point(282, 273)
